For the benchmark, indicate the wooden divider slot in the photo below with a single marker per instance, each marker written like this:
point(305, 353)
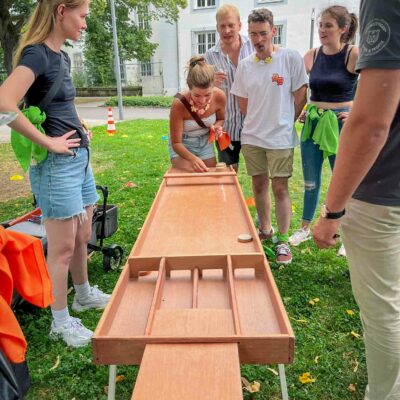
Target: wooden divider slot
point(232, 296)
point(195, 275)
point(156, 297)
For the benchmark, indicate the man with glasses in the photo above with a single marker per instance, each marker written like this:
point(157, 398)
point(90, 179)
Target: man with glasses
point(225, 56)
point(271, 88)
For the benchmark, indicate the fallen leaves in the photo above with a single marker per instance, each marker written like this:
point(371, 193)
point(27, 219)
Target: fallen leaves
point(130, 184)
point(252, 387)
point(351, 387)
point(57, 363)
point(250, 202)
point(300, 321)
point(355, 334)
point(306, 378)
point(16, 178)
point(313, 302)
point(275, 372)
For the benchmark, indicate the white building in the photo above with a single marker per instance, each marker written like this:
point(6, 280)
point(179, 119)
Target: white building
point(195, 32)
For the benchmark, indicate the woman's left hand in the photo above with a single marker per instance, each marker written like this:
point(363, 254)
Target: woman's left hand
point(89, 133)
point(218, 131)
point(343, 116)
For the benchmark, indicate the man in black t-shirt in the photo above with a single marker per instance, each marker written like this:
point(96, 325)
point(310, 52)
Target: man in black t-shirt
point(366, 181)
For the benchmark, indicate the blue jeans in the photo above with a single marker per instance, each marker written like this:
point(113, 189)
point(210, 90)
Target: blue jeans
point(312, 160)
point(63, 185)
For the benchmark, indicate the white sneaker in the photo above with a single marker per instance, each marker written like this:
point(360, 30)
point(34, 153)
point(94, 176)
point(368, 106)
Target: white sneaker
point(300, 236)
point(73, 333)
point(342, 251)
point(95, 299)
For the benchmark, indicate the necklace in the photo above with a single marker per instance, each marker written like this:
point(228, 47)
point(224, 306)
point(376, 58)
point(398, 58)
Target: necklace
point(198, 110)
point(267, 60)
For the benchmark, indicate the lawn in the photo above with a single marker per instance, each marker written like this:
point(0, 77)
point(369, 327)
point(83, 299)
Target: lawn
point(328, 345)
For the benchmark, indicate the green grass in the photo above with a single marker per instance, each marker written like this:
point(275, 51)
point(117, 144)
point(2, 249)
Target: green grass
point(140, 101)
point(324, 344)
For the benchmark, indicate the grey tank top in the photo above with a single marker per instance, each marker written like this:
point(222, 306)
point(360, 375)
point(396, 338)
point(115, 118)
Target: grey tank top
point(192, 128)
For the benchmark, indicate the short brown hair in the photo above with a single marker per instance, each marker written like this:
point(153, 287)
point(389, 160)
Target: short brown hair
point(200, 74)
point(261, 15)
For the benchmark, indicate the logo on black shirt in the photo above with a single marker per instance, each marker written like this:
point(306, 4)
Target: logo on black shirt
point(375, 38)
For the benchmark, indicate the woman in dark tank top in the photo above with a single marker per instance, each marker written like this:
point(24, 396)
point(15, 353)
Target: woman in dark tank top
point(332, 85)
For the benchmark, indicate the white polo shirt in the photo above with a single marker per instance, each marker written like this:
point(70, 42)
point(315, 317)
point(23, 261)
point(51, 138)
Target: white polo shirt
point(269, 122)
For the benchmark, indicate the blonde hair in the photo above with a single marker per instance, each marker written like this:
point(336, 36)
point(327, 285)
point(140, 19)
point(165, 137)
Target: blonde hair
point(200, 74)
point(227, 9)
point(41, 23)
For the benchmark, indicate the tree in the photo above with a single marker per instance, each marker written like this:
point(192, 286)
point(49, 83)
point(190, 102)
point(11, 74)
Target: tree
point(133, 39)
point(13, 16)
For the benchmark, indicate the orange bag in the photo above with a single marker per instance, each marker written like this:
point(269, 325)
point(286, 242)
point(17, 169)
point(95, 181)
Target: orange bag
point(27, 264)
point(223, 141)
point(12, 340)
point(22, 264)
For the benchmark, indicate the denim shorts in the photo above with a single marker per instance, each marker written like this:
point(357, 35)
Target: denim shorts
point(63, 185)
point(198, 145)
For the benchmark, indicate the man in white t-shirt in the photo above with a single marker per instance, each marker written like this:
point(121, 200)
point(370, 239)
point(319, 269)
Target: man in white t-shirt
point(271, 88)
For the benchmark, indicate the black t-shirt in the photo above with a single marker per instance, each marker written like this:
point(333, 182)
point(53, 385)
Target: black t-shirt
point(380, 48)
point(61, 115)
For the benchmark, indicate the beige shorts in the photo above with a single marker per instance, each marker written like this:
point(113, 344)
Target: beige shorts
point(276, 163)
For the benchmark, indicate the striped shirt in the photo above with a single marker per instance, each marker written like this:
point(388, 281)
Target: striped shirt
point(233, 118)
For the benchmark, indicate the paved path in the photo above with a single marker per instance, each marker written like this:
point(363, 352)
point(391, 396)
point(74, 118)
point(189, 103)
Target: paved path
point(94, 114)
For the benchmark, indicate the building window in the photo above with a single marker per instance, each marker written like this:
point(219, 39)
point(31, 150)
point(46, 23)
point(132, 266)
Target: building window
point(204, 41)
point(269, 1)
point(122, 68)
point(279, 36)
point(204, 3)
point(146, 68)
point(143, 16)
point(77, 60)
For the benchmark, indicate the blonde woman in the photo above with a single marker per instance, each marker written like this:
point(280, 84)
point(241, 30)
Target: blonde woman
point(189, 146)
point(63, 183)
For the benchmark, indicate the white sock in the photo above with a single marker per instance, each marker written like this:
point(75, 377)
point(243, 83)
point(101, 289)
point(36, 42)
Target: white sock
point(82, 291)
point(60, 317)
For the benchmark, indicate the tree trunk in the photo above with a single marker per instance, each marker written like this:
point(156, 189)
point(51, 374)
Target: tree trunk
point(9, 45)
point(10, 31)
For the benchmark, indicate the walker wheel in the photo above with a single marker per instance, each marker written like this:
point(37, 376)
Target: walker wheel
point(112, 257)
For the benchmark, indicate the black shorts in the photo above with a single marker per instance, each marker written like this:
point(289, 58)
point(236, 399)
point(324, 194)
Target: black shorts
point(230, 156)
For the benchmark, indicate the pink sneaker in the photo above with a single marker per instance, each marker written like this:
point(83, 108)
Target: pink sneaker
point(283, 254)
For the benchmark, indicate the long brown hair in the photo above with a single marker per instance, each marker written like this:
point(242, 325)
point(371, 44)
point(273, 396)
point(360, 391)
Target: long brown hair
point(41, 23)
point(344, 19)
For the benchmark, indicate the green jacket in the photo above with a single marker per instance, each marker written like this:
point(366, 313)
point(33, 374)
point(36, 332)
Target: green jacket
point(23, 147)
point(326, 133)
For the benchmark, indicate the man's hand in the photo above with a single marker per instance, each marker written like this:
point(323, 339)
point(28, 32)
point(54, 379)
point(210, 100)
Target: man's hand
point(220, 78)
point(325, 232)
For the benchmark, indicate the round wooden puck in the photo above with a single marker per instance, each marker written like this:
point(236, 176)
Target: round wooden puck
point(245, 238)
point(220, 166)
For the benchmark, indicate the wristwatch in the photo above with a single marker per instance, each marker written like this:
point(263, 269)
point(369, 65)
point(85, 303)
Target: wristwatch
point(325, 213)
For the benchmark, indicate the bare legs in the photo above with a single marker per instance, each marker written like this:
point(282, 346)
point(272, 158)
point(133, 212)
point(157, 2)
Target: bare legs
point(67, 250)
point(262, 199)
